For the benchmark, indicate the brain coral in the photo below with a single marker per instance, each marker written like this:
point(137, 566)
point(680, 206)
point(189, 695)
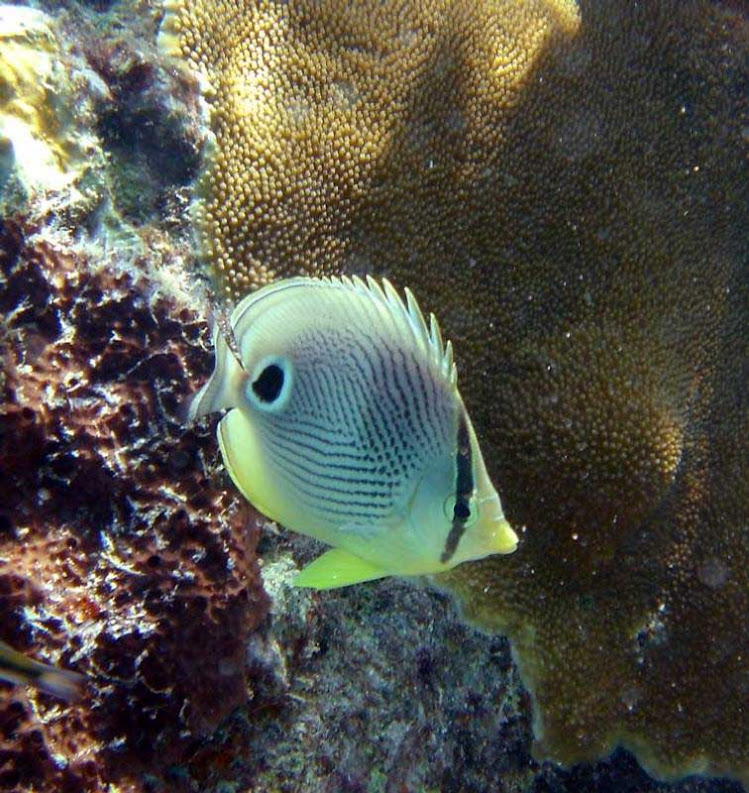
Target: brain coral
point(565, 188)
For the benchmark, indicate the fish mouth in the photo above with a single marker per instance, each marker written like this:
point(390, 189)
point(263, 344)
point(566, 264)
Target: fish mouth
point(496, 531)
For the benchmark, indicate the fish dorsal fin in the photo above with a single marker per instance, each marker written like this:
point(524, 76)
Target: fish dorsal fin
point(408, 314)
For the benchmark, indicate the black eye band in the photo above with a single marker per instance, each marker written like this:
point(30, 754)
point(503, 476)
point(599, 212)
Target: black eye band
point(463, 490)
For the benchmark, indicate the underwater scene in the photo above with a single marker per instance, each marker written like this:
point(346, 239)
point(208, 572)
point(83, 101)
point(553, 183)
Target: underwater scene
point(374, 396)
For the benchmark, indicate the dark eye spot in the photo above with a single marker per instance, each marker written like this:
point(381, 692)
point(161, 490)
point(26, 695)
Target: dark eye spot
point(268, 385)
point(462, 511)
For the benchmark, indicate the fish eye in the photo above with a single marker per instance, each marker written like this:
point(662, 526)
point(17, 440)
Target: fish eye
point(466, 512)
point(462, 511)
point(270, 383)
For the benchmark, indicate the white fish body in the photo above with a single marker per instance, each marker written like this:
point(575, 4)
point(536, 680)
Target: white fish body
point(345, 423)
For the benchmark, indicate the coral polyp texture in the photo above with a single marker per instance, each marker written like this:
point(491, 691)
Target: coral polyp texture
point(329, 124)
point(119, 556)
point(565, 187)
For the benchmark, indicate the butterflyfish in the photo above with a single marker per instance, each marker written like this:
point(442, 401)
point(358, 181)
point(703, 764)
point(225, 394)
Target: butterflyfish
point(345, 423)
point(18, 668)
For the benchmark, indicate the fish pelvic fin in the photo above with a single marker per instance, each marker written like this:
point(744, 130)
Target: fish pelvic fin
point(338, 568)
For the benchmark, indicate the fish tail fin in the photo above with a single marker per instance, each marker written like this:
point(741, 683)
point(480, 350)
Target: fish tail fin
point(61, 683)
point(503, 538)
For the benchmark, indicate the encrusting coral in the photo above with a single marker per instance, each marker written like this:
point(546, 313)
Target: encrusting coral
point(566, 190)
point(119, 558)
point(330, 124)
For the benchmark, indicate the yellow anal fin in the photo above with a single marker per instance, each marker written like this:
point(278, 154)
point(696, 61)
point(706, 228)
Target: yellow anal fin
point(336, 568)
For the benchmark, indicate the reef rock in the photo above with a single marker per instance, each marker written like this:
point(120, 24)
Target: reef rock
point(123, 554)
point(46, 149)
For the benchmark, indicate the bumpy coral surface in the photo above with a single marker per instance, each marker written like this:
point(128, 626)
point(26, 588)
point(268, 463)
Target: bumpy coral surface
point(121, 556)
point(330, 124)
point(567, 192)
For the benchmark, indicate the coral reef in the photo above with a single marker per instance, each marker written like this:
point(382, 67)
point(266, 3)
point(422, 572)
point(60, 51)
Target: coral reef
point(121, 555)
point(46, 149)
point(94, 132)
point(376, 688)
point(149, 121)
point(565, 191)
point(384, 688)
point(524, 199)
point(329, 124)
point(126, 554)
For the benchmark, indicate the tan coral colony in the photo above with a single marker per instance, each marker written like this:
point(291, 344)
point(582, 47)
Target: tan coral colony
point(565, 188)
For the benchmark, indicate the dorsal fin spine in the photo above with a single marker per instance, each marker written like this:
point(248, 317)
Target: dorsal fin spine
point(418, 321)
point(427, 336)
point(451, 371)
point(408, 311)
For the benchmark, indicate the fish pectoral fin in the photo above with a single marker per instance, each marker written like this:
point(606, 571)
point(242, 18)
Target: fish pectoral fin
point(336, 568)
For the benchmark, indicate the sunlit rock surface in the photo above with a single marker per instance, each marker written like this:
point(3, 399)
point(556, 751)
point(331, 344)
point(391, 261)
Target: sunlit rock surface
point(47, 150)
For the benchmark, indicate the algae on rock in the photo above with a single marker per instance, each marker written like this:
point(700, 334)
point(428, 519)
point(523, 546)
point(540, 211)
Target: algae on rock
point(47, 150)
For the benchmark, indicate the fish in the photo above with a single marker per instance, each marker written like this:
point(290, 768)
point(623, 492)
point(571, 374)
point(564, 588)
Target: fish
point(345, 424)
point(17, 668)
